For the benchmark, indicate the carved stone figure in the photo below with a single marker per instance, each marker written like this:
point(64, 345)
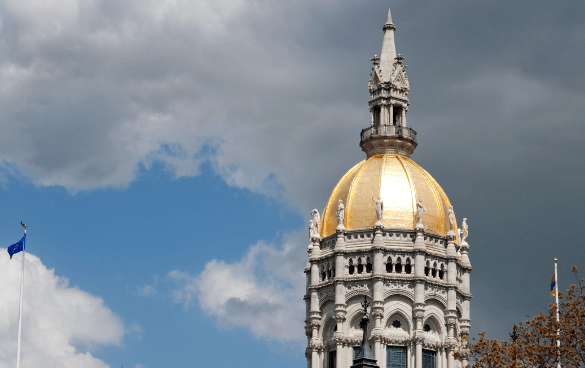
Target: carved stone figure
point(459, 231)
point(315, 223)
point(451, 218)
point(419, 211)
point(465, 231)
point(311, 230)
point(340, 213)
point(379, 209)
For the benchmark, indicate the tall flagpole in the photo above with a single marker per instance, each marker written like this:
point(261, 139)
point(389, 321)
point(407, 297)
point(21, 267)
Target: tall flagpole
point(21, 293)
point(557, 301)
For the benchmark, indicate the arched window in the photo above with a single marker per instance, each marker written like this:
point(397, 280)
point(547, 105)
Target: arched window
point(397, 118)
point(323, 273)
point(434, 270)
point(377, 112)
point(389, 265)
point(329, 273)
point(427, 268)
point(398, 265)
point(368, 265)
point(360, 266)
point(442, 272)
point(408, 266)
point(351, 267)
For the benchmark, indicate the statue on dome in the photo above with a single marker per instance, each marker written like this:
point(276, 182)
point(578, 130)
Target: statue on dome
point(465, 230)
point(311, 230)
point(315, 224)
point(451, 218)
point(419, 211)
point(340, 214)
point(379, 209)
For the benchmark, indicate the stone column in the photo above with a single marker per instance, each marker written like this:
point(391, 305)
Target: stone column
point(419, 346)
point(419, 292)
point(465, 288)
point(315, 345)
point(340, 306)
point(315, 313)
point(403, 119)
point(450, 359)
point(391, 114)
point(451, 311)
point(378, 297)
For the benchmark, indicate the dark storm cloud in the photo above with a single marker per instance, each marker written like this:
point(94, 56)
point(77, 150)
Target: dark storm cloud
point(92, 91)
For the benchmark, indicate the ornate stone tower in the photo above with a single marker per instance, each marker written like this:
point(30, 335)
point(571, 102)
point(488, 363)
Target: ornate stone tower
point(388, 232)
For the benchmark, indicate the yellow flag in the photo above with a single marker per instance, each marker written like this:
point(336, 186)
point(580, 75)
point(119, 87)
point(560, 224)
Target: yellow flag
point(553, 286)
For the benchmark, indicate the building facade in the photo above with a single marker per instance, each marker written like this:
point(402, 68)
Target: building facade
point(389, 233)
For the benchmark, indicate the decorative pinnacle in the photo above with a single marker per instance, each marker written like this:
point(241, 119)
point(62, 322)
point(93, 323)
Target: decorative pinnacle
point(389, 23)
point(375, 59)
point(399, 58)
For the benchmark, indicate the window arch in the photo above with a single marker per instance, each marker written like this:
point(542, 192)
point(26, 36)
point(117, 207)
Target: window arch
point(408, 266)
point(442, 272)
point(360, 266)
point(351, 267)
point(368, 265)
point(389, 265)
point(427, 268)
point(434, 270)
point(398, 265)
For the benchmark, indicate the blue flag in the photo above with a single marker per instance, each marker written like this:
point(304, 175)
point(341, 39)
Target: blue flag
point(17, 247)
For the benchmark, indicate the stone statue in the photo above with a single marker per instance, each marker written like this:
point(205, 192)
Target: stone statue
point(419, 211)
point(315, 224)
point(311, 230)
point(465, 230)
point(459, 231)
point(379, 209)
point(451, 218)
point(340, 213)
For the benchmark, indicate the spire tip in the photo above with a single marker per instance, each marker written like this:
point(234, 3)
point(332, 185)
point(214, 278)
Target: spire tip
point(389, 21)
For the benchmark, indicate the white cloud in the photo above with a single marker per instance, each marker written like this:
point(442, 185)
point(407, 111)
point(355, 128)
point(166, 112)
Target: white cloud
point(262, 292)
point(58, 320)
point(148, 290)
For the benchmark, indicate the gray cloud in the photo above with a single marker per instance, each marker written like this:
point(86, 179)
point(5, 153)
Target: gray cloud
point(93, 92)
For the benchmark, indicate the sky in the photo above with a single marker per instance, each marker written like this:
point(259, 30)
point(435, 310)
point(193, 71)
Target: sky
point(166, 155)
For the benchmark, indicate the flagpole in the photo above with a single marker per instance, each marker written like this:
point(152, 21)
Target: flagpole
point(20, 313)
point(557, 301)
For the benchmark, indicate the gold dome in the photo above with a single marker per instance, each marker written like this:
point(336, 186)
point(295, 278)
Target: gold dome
point(400, 182)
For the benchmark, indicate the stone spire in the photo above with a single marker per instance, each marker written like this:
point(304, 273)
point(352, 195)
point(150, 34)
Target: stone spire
point(388, 49)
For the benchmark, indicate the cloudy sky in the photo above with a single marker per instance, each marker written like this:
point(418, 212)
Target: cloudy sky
point(166, 155)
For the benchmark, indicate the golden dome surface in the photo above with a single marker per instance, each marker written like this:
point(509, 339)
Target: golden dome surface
point(400, 182)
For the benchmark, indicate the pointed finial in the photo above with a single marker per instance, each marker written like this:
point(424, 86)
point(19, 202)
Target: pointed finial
point(389, 21)
point(389, 24)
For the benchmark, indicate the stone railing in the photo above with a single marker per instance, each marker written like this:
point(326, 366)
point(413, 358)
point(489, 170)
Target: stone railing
point(388, 130)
